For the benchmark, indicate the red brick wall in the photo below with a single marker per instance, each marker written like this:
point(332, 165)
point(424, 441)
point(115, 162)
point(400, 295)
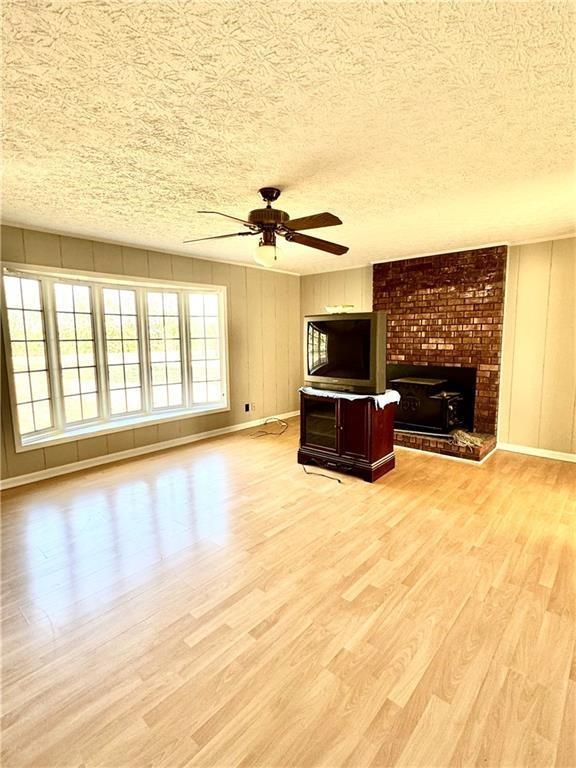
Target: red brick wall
point(447, 310)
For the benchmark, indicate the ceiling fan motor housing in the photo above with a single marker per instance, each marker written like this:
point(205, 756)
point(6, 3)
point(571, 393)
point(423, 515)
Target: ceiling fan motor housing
point(272, 216)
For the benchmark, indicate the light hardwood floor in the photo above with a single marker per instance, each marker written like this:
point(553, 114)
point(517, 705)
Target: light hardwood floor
point(215, 606)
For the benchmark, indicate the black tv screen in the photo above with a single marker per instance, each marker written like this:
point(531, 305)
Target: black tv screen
point(339, 348)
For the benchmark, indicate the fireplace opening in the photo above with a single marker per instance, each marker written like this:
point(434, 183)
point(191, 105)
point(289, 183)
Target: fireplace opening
point(435, 399)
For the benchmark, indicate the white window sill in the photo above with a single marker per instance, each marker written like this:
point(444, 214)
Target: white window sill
point(117, 425)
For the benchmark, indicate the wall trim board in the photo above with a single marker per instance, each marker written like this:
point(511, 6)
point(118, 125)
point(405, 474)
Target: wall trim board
point(443, 253)
point(547, 239)
point(338, 269)
point(551, 239)
point(542, 453)
point(142, 247)
point(65, 469)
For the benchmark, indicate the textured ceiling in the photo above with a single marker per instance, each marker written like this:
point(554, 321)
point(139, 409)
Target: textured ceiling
point(424, 126)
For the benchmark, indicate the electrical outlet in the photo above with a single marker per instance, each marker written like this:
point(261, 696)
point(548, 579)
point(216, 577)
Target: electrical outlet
point(252, 406)
point(246, 407)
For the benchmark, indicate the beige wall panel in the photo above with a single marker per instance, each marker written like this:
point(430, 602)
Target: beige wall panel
point(295, 343)
point(269, 333)
point(77, 253)
point(13, 244)
point(367, 289)
point(238, 344)
point(202, 271)
point(3, 465)
point(307, 295)
point(282, 360)
point(510, 299)
point(183, 269)
point(354, 289)
point(195, 425)
point(538, 390)
point(22, 463)
point(530, 340)
point(107, 258)
point(120, 441)
point(255, 346)
point(57, 455)
point(42, 248)
point(145, 435)
point(160, 265)
point(347, 286)
point(168, 430)
point(264, 325)
point(92, 447)
point(218, 421)
point(221, 274)
point(135, 262)
point(559, 381)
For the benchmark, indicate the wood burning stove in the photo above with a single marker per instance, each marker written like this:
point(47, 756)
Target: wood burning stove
point(428, 405)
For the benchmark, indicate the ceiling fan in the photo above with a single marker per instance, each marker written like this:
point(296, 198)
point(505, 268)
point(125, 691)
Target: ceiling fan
point(269, 222)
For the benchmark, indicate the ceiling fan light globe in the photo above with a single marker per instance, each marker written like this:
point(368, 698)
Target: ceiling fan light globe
point(265, 255)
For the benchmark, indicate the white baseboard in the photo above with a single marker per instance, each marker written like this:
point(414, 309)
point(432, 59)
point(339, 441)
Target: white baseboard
point(76, 466)
point(541, 452)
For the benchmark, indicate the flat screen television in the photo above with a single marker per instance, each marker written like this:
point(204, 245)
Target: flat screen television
point(346, 353)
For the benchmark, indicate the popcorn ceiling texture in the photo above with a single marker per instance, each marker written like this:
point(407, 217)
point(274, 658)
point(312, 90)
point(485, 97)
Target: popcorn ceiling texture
point(424, 126)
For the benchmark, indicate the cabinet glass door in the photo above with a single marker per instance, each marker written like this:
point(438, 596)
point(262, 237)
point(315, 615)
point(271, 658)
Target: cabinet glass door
point(320, 423)
point(355, 428)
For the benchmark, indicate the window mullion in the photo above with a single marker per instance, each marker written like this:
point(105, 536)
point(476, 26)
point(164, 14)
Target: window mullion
point(144, 342)
point(100, 345)
point(53, 352)
point(185, 348)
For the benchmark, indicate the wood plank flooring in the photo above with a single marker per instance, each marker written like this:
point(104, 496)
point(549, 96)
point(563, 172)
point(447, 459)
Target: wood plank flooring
point(215, 606)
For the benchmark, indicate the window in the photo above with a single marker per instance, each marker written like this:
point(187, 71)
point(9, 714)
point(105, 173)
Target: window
point(74, 321)
point(205, 348)
point(122, 351)
point(89, 356)
point(165, 352)
point(31, 378)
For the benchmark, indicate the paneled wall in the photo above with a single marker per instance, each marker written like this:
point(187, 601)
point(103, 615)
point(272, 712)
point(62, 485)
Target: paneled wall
point(538, 395)
point(348, 286)
point(263, 330)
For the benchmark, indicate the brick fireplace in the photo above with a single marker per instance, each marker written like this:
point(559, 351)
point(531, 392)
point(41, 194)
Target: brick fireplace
point(447, 310)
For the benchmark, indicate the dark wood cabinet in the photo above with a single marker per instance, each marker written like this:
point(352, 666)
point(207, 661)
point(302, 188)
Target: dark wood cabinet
point(352, 436)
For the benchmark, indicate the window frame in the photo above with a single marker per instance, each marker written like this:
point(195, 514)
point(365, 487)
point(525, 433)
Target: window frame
point(140, 321)
point(106, 422)
point(49, 289)
point(10, 368)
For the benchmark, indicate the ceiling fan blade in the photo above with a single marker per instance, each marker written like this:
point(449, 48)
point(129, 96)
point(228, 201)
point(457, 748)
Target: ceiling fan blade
point(315, 242)
point(234, 218)
point(311, 222)
point(217, 237)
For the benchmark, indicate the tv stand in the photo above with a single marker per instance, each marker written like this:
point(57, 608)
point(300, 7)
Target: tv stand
point(354, 436)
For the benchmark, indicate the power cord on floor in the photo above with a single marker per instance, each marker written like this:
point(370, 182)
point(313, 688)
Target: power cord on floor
point(321, 474)
point(271, 420)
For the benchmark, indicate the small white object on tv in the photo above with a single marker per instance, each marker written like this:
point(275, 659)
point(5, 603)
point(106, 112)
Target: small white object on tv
point(338, 309)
